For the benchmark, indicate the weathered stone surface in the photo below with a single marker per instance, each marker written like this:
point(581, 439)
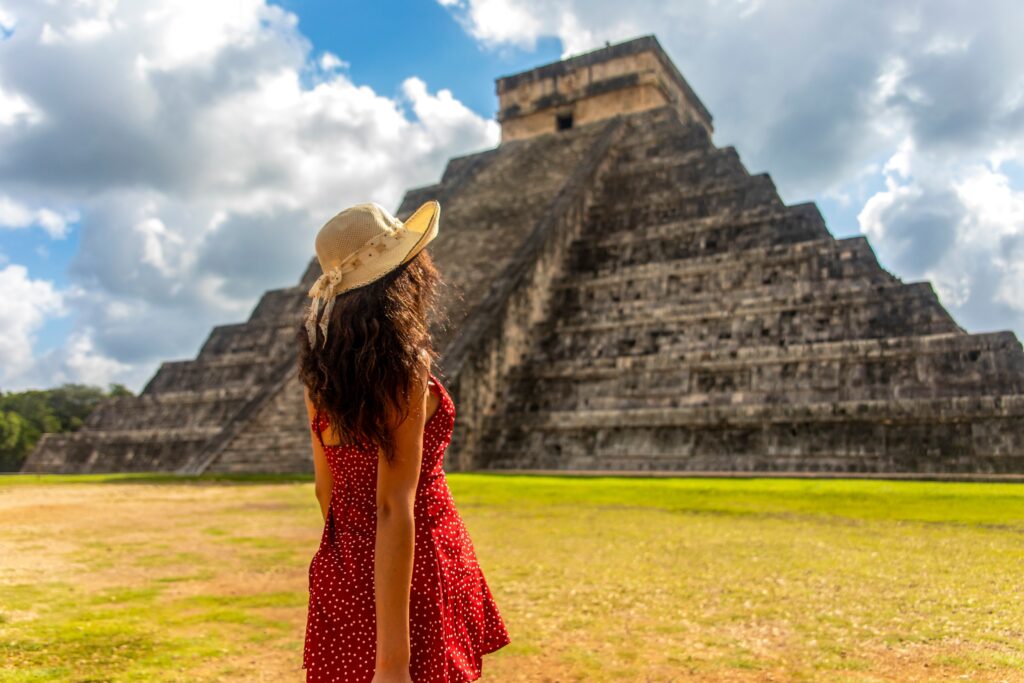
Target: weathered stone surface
point(631, 76)
point(622, 294)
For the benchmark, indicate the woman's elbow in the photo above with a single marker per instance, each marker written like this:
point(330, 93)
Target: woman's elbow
point(389, 509)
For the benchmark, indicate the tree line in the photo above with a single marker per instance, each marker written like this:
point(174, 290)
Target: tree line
point(26, 415)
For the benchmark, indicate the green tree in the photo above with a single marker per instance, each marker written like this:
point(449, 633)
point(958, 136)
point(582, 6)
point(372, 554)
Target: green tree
point(26, 415)
point(16, 440)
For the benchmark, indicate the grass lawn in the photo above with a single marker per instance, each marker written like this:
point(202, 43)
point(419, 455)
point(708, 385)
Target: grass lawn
point(161, 578)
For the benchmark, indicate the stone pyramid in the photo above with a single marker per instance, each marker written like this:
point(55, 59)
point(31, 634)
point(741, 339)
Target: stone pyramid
point(651, 305)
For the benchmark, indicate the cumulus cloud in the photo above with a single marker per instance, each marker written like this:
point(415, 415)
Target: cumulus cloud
point(24, 306)
point(14, 214)
point(924, 98)
point(197, 147)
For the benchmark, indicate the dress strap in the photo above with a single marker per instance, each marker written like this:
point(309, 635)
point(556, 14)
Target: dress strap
point(442, 392)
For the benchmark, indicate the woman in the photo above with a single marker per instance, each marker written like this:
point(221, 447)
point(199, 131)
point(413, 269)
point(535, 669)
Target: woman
point(395, 591)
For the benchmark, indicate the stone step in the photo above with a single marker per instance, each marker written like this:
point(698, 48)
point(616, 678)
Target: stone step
point(129, 450)
point(270, 339)
point(806, 216)
point(650, 138)
point(625, 168)
point(675, 172)
point(736, 304)
point(231, 370)
point(684, 300)
point(911, 367)
point(729, 197)
point(1003, 344)
point(597, 254)
point(827, 287)
point(281, 306)
point(772, 271)
point(894, 411)
point(885, 311)
point(191, 409)
point(980, 434)
point(841, 461)
point(275, 453)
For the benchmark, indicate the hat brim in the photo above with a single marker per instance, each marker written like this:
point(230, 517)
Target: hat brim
point(424, 222)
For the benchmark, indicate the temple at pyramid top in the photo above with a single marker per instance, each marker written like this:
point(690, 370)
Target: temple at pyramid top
point(632, 76)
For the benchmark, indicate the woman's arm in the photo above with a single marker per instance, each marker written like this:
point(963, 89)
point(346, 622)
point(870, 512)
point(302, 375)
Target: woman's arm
point(395, 544)
point(321, 470)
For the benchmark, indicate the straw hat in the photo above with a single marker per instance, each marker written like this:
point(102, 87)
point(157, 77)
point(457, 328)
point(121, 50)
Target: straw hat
point(361, 244)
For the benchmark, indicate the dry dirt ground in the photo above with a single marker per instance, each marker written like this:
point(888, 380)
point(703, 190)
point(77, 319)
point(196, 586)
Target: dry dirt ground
point(598, 579)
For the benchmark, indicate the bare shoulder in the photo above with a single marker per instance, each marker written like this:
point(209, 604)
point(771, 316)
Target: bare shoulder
point(428, 362)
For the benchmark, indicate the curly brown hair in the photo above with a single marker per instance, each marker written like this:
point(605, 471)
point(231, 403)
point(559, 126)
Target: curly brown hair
point(377, 336)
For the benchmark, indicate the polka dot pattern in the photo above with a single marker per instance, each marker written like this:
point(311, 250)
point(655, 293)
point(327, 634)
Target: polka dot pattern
point(453, 619)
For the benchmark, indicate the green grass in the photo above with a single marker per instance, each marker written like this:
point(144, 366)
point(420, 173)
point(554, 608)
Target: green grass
point(142, 577)
point(950, 503)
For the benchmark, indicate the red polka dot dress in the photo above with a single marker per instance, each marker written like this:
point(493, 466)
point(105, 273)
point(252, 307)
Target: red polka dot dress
point(453, 619)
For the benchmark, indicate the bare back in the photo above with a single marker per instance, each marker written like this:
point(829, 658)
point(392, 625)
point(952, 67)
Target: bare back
point(331, 437)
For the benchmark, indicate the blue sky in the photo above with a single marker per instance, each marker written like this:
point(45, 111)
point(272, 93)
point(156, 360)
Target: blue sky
point(381, 52)
point(391, 40)
point(164, 162)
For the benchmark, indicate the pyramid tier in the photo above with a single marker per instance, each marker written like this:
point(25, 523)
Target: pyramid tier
point(129, 450)
point(228, 370)
point(778, 272)
point(937, 366)
point(963, 434)
point(817, 316)
point(207, 408)
point(661, 135)
point(268, 339)
point(730, 196)
point(668, 173)
point(717, 235)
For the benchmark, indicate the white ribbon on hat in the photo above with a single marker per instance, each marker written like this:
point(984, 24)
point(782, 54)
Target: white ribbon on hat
point(324, 289)
point(327, 285)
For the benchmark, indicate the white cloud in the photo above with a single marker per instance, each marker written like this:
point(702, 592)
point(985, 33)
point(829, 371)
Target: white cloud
point(191, 31)
point(14, 108)
point(899, 163)
point(963, 233)
point(503, 21)
point(24, 306)
point(85, 364)
point(997, 230)
point(443, 118)
point(14, 214)
point(330, 61)
point(202, 145)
